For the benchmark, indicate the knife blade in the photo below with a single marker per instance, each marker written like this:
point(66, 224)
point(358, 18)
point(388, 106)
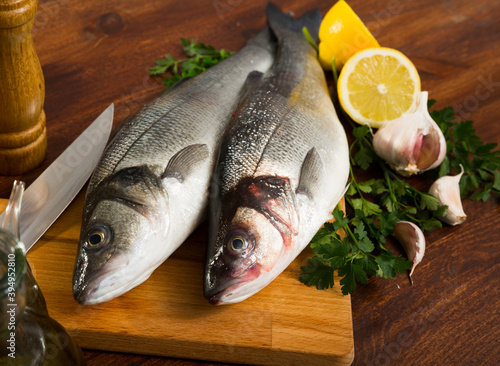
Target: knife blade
point(49, 195)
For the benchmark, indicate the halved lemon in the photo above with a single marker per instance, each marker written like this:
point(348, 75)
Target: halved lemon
point(377, 85)
point(342, 34)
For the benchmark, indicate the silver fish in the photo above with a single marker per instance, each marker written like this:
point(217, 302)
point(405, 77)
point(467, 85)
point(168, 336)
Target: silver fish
point(282, 168)
point(150, 188)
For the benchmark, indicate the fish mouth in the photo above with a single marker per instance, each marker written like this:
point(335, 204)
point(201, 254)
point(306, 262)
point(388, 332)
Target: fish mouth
point(113, 280)
point(231, 289)
point(102, 290)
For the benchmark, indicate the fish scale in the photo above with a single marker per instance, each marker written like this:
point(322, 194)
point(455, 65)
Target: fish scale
point(265, 120)
point(245, 145)
point(160, 118)
point(149, 190)
point(282, 168)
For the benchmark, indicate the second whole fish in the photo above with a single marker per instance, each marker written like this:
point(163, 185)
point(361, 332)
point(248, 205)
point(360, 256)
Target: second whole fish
point(150, 189)
point(282, 168)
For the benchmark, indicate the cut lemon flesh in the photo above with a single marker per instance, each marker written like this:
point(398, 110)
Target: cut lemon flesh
point(342, 34)
point(377, 85)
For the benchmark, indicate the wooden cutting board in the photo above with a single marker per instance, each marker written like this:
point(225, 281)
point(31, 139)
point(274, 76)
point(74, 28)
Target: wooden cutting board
point(287, 323)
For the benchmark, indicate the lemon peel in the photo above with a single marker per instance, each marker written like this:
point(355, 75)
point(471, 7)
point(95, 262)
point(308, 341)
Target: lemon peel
point(342, 34)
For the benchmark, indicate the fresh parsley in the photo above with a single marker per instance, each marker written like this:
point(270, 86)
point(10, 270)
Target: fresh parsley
point(199, 58)
point(389, 192)
point(357, 255)
point(481, 179)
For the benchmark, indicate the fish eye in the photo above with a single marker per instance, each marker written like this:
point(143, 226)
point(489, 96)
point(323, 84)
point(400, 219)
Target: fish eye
point(98, 236)
point(238, 244)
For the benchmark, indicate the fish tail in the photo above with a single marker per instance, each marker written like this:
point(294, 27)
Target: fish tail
point(278, 20)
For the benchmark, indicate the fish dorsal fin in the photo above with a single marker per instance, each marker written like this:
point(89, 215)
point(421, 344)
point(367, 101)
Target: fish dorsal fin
point(310, 174)
point(182, 164)
point(275, 199)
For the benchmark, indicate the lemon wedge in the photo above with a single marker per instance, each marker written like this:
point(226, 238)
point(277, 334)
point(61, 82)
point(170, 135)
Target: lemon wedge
point(377, 85)
point(341, 35)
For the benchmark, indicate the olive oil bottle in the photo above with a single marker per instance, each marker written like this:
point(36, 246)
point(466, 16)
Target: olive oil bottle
point(28, 335)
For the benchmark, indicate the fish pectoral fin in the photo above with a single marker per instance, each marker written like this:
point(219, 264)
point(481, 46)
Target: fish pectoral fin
point(183, 163)
point(310, 174)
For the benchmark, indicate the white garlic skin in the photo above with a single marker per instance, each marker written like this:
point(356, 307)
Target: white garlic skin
point(412, 239)
point(447, 190)
point(411, 143)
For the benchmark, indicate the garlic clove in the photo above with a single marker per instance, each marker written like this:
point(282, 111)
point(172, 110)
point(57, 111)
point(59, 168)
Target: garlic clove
point(412, 239)
point(447, 190)
point(411, 143)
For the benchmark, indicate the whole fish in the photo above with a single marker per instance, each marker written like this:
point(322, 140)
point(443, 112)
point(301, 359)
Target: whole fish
point(150, 188)
point(282, 168)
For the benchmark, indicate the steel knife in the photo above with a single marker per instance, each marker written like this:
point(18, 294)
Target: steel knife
point(49, 195)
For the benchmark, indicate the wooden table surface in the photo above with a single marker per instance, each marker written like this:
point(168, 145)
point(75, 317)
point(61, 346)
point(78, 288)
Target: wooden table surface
point(97, 52)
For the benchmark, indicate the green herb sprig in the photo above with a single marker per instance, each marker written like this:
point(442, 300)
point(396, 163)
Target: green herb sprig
point(199, 58)
point(356, 256)
point(391, 192)
point(481, 179)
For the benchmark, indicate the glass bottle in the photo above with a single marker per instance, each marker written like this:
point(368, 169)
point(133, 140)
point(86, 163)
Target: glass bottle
point(28, 335)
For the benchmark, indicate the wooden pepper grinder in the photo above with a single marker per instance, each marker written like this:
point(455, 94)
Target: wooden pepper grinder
point(23, 135)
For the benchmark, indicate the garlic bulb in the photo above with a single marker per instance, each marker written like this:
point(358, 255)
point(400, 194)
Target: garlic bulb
point(413, 241)
point(411, 143)
point(447, 191)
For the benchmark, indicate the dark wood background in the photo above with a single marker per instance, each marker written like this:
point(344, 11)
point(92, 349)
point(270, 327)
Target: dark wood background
point(97, 52)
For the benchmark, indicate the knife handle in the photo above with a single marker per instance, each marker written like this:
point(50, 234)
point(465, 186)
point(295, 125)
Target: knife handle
point(23, 134)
